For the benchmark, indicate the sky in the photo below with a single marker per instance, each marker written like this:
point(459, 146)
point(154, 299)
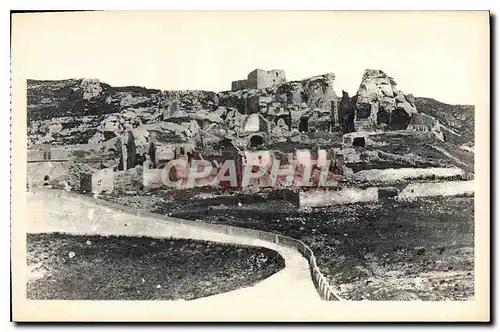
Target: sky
point(429, 54)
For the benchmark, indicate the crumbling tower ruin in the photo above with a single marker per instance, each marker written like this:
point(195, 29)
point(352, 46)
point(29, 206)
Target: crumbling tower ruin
point(260, 79)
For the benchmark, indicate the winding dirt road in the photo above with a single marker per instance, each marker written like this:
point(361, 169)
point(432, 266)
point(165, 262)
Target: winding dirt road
point(52, 212)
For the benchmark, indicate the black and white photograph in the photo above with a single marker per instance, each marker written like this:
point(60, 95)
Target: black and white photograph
point(250, 165)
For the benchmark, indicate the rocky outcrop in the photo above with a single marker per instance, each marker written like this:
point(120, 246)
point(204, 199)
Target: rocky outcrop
point(425, 123)
point(47, 100)
point(88, 111)
point(80, 111)
point(314, 92)
point(457, 121)
point(77, 111)
point(380, 105)
point(311, 100)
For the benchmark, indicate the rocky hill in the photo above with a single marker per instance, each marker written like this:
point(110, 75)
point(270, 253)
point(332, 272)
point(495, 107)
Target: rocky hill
point(80, 111)
point(457, 121)
point(75, 111)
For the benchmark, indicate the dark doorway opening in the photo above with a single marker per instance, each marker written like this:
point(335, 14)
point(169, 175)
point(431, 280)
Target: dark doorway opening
point(304, 125)
point(399, 119)
point(256, 141)
point(359, 141)
point(152, 153)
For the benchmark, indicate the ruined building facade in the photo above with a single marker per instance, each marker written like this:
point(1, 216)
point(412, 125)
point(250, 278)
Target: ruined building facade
point(260, 79)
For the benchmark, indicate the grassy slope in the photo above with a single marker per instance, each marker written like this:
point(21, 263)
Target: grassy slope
point(124, 268)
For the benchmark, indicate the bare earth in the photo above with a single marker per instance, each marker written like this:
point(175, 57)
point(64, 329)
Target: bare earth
point(413, 250)
point(71, 267)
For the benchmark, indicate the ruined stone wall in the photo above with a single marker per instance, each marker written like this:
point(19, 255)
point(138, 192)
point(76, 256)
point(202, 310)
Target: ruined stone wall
point(49, 154)
point(99, 181)
point(261, 79)
point(317, 198)
point(239, 85)
point(36, 171)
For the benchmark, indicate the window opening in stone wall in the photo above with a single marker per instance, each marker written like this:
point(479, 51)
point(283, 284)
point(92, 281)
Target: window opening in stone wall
point(46, 180)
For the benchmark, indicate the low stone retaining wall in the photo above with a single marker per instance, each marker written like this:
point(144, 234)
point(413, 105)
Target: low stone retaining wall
point(36, 171)
point(449, 188)
point(321, 198)
point(325, 291)
point(393, 174)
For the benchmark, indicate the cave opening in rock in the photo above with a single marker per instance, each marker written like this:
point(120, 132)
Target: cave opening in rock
point(363, 111)
point(304, 125)
point(256, 141)
point(359, 141)
point(109, 135)
point(383, 116)
point(399, 119)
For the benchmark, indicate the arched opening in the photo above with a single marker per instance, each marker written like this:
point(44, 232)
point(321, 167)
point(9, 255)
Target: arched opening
point(304, 125)
point(399, 119)
point(46, 180)
point(256, 141)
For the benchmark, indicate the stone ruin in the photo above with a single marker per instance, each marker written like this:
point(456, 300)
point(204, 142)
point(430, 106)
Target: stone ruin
point(260, 79)
point(259, 112)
